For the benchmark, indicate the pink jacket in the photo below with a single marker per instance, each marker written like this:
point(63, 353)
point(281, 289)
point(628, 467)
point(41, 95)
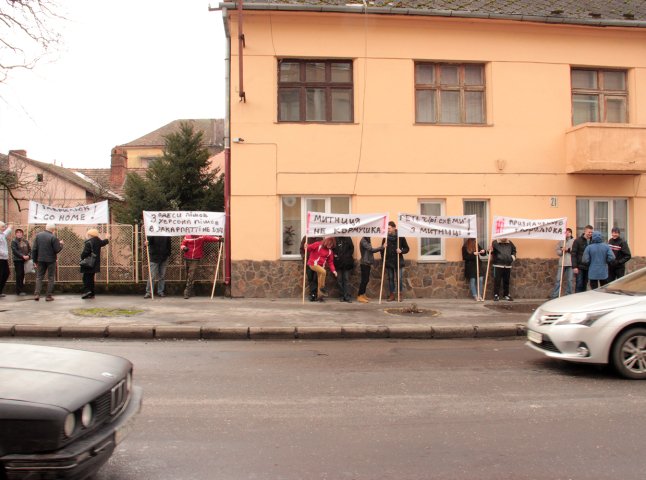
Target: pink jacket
point(193, 246)
point(319, 255)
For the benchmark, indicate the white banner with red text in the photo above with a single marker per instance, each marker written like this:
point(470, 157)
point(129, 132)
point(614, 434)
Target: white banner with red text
point(436, 226)
point(179, 223)
point(346, 225)
point(542, 229)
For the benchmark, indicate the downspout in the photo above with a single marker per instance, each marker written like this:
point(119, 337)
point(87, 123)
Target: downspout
point(227, 153)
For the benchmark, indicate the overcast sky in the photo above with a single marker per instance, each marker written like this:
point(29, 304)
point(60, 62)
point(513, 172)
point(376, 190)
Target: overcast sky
point(127, 68)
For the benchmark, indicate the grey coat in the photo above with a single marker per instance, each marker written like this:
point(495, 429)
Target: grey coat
point(45, 248)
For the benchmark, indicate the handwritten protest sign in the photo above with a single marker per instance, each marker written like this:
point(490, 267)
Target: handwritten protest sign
point(178, 223)
point(347, 225)
point(435, 226)
point(91, 214)
point(546, 229)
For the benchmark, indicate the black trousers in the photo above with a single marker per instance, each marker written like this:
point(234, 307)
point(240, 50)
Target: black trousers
point(365, 277)
point(616, 272)
point(597, 283)
point(88, 282)
point(19, 267)
point(4, 273)
point(312, 281)
point(501, 275)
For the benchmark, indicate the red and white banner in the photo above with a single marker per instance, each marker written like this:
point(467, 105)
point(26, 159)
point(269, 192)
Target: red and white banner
point(346, 225)
point(546, 229)
point(435, 226)
point(178, 223)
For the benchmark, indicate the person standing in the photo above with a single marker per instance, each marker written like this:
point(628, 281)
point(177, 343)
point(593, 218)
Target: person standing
point(91, 247)
point(21, 251)
point(504, 254)
point(471, 252)
point(159, 250)
point(597, 256)
point(45, 249)
point(344, 263)
point(5, 231)
point(578, 268)
point(365, 263)
point(321, 254)
point(396, 247)
point(193, 248)
point(619, 247)
point(564, 251)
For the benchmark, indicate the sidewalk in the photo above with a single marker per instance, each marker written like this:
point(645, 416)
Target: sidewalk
point(253, 318)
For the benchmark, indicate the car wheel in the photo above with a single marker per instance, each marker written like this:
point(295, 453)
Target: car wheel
point(629, 354)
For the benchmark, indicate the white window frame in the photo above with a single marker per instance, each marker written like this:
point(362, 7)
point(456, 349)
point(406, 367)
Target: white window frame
point(486, 222)
point(432, 258)
point(304, 199)
point(611, 215)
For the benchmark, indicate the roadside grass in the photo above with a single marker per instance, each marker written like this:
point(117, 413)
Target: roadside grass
point(107, 312)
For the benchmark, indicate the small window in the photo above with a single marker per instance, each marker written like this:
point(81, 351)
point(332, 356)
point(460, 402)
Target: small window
point(603, 214)
point(480, 209)
point(599, 96)
point(39, 177)
point(449, 93)
point(318, 91)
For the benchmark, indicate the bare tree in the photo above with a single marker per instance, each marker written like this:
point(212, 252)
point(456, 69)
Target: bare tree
point(19, 184)
point(28, 31)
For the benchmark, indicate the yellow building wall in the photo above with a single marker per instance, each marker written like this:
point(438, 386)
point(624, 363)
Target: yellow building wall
point(386, 162)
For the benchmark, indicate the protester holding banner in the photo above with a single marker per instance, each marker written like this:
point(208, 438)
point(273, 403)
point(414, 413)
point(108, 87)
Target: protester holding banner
point(312, 279)
point(320, 255)
point(159, 250)
point(564, 250)
point(21, 251)
point(396, 248)
point(90, 267)
point(193, 248)
point(5, 231)
point(619, 246)
point(597, 256)
point(45, 249)
point(503, 252)
point(473, 266)
point(344, 263)
point(578, 267)
point(367, 260)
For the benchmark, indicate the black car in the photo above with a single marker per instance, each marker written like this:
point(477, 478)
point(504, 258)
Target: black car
point(62, 411)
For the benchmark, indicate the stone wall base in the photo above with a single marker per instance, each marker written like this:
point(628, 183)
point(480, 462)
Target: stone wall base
point(530, 278)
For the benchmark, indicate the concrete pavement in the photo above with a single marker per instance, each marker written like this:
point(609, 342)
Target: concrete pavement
point(252, 318)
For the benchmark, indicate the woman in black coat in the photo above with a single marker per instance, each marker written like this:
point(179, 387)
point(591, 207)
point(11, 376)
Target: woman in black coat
point(92, 245)
point(473, 265)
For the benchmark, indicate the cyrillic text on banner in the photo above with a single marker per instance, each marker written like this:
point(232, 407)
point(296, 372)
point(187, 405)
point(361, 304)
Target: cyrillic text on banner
point(435, 226)
point(92, 214)
point(347, 225)
point(545, 229)
point(178, 223)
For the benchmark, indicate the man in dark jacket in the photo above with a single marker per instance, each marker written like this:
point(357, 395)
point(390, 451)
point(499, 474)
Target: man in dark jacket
point(503, 254)
point(159, 250)
point(44, 251)
point(344, 263)
point(619, 247)
point(395, 249)
point(578, 268)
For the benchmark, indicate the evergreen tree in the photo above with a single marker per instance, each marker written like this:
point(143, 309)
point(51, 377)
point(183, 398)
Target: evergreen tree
point(179, 180)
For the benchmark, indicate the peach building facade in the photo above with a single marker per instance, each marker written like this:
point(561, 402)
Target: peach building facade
point(353, 110)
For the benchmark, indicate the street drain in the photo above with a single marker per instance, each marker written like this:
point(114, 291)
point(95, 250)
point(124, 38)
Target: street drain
point(412, 311)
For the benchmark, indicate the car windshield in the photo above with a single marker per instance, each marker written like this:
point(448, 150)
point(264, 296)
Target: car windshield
point(633, 284)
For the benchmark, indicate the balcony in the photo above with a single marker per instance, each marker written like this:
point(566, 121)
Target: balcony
point(606, 148)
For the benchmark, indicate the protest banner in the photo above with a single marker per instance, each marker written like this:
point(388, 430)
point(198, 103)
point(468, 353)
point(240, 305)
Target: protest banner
point(435, 226)
point(92, 214)
point(346, 225)
point(545, 229)
point(179, 223)
point(321, 224)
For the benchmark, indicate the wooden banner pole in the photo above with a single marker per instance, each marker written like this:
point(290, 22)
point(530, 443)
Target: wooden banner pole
point(304, 266)
point(150, 277)
point(383, 269)
point(484, 290)
point(217, 269)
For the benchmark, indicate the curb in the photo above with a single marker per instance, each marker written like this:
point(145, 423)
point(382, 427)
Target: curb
point(338, 332)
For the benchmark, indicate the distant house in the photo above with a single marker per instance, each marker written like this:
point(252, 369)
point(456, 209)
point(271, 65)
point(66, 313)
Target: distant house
point(46, 183)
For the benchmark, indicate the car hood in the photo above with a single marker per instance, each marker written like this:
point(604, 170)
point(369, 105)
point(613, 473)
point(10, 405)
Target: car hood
point(62, 377)
point(590, 301)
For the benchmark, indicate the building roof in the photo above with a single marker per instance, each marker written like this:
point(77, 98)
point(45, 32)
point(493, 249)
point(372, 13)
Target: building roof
point(625, 13)
point(211, 128)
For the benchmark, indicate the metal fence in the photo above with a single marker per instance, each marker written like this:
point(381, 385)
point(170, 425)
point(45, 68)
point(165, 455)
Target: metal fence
point(124, 259)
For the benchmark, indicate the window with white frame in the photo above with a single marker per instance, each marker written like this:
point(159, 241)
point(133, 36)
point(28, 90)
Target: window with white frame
point(599, 96)
point(431, 248)
point(603, 214)
point(479, 208)
point(293, 217)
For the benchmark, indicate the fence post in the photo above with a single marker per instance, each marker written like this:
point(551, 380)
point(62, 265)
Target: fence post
point(107, 259)
point(136, 262)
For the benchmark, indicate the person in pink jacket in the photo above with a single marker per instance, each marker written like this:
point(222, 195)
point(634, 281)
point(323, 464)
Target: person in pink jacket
point(193, 250)
point(320, 254)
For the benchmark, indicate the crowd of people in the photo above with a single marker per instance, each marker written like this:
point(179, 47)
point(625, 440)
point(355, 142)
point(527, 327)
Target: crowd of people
point(583, 262)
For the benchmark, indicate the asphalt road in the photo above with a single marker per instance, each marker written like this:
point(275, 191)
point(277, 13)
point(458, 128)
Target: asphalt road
point(445, 409)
